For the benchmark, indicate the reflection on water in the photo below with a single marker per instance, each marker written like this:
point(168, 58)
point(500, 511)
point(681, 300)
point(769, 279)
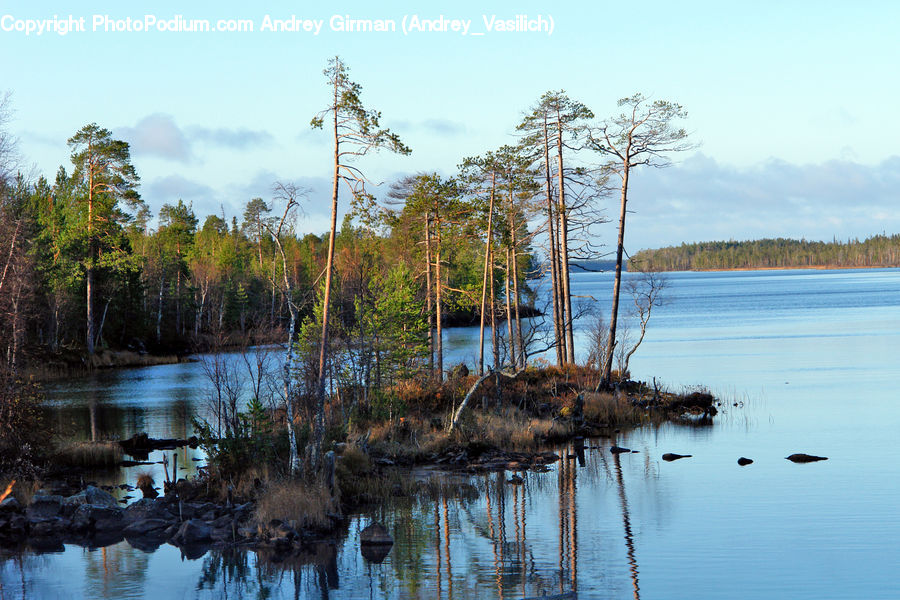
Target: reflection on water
point(812, 356)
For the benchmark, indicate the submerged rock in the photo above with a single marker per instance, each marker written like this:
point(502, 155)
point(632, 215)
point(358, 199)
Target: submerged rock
point(516, 480)
point(618, 449)
point(805, 458)
point(670, 456)
point(743, 461)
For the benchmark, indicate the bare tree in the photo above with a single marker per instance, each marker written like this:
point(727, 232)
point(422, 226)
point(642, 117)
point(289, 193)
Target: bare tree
point(647, 292)
point(644, 134)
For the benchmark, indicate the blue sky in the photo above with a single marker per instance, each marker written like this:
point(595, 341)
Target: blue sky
point(793, 105)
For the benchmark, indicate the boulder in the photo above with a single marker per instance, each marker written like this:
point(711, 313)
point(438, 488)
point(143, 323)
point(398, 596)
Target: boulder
point(145, 526)
point(743, 461)
point(618, 450)
point(375, 534)
point(670, 456)
point(146, 508)
point(10, 505)
point(89, 495)
point(90, 518)
point(805, 458)
point(48, 527)
point(44, 506)
point(193, 531)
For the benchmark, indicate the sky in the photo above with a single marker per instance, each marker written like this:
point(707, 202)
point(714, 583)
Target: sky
point(792, 105)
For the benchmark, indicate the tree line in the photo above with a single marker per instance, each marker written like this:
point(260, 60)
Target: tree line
point(83, 267)
point(778, 253)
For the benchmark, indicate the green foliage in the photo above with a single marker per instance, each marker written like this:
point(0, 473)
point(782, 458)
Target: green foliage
point(877, 251)
point(253, 441)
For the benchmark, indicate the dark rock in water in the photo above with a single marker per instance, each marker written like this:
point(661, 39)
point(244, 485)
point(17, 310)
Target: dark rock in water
point(805, 458)
point(44, 507)
point(670, 456)
point(146, 526)
point(147, 543)
point(193, 532)
point(375, 534)
point(618, 449)
point(744, 461)
point(97, 518)
point(90, 495)
point(48, 527)
point(10, 505)
point(375, 553)
point(516, 480)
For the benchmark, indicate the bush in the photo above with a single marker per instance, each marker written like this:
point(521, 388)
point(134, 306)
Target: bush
point(22, 429)
point(254, 442)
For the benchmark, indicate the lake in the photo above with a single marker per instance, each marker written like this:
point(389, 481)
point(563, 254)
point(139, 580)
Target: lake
point(806, 361)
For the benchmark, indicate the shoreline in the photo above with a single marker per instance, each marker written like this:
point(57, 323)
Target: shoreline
point(798, 268)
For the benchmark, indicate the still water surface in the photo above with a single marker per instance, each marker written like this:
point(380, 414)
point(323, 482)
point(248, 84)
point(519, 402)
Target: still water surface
point(809, 356)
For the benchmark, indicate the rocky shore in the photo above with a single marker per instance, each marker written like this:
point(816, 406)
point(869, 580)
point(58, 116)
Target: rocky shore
point(93, 518)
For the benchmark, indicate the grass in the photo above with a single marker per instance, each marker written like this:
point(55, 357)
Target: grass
point(89, 455)
point(301, 504)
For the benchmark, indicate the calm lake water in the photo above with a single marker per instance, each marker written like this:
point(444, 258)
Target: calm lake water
point(809, 356)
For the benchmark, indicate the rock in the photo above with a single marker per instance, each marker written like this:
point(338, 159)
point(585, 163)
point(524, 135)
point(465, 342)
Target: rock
point(516, 480)
point(375, 553)
point(10, 505)
point(805, 458)
point(223, 521)
point(90, 495)
point(375, 534)
point(745, 461)
point(191, 532)
point(145, 527)
point(44, 507)
point(90, 518)
point(223, 534)
point(146, 508)
point(14, 525)
point(459, 371)
point(47, 527)
point(147, 543)
point(618, 449)
point(670, 456)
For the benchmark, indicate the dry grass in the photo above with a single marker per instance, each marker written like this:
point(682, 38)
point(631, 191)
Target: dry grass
point(89, 455)
point(611, 409)
point(301, 504)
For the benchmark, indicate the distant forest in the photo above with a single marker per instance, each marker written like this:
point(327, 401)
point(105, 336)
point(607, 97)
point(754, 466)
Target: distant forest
point(877, 251)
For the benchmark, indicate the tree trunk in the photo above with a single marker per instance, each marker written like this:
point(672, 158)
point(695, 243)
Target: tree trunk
point(554, 262)
point(89, 271)
point(484, 281)
point(509, 320)
point(564, 246)
point(429, 309)
point(319, 426)
point(159, 309)
point(439, 342)
point(89, 276)
point(613, 318)
point(495, 346)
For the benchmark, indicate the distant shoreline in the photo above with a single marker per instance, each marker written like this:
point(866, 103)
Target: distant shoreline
point(798, 268)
